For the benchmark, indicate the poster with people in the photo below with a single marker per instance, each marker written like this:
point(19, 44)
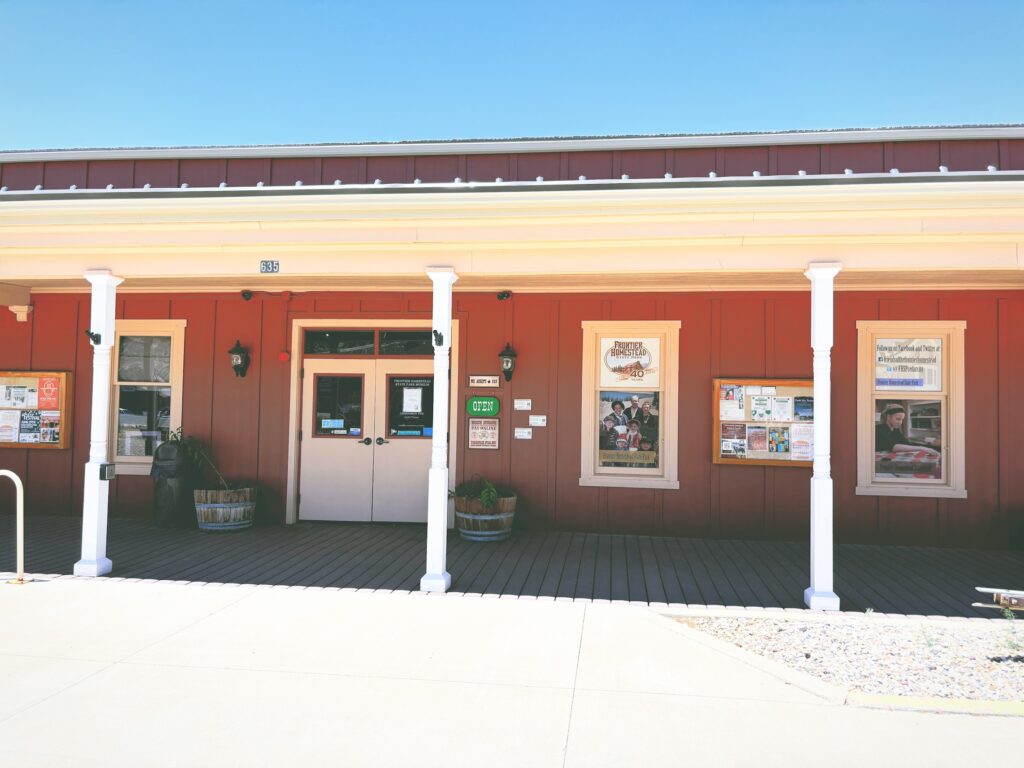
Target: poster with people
point(908, 439)
point(628, 434)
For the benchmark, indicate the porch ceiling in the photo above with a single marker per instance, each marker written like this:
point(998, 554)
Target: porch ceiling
point(570, 239)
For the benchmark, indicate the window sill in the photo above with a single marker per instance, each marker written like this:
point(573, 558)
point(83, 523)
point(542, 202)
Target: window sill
point(910, 491)
point(630, 482)
point(133, 468)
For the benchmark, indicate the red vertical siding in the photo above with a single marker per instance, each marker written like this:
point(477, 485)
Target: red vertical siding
point(730, 334)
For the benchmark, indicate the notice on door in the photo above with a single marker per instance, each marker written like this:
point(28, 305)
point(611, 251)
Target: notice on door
point(483, 434)
point(410, 406)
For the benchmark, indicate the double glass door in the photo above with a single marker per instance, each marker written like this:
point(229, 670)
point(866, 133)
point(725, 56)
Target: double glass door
point(367, 426)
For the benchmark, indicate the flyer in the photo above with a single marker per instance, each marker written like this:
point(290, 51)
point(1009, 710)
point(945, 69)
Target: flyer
point(778, 439)
point(760, 407)
point(730, 402)
point(734, 431)
point(803, 409)
point(28, 427)
point(802, 436)
point(757, 438)
point(483, 433)
point(782, 408)
point(736, 449)
point(412, 400)
point(49, 426)
point(10, 422)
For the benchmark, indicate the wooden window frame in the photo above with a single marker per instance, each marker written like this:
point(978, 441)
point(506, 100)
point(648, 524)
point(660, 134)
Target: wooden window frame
point(613, 477)
point(175, 329)
point(953, 482)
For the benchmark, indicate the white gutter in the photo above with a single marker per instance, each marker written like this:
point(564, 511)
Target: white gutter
point(500, 146)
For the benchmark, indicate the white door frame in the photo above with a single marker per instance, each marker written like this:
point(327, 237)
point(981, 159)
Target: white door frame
point(295, 394)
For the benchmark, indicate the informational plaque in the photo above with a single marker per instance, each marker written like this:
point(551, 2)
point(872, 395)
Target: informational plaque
point(34, 409)
point(483, 434)
point(763, 422)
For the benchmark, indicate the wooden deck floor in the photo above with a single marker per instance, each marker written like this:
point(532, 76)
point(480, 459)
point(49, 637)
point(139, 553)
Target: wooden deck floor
point(912, 580)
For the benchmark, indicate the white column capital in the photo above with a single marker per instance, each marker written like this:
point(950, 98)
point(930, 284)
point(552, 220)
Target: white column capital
point(102, 278)
point(442, 275)
point(823, 270)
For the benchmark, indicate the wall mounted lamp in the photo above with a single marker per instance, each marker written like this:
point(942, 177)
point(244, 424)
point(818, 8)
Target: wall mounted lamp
point(508, 361)
point(239, 359)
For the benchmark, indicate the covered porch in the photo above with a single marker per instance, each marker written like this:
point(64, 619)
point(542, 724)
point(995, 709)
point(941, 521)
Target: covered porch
point(582, 566)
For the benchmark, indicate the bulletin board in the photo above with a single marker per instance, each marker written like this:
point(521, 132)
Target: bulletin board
point(763, 422)
point(35, 409)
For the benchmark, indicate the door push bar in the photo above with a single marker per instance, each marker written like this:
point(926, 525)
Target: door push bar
point(20, 534)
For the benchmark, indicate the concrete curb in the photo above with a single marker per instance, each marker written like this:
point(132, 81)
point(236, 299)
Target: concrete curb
point(935, 704)
point(829, 692)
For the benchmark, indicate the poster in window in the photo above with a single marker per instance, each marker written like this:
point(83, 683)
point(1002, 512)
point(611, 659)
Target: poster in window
point(628, 431)
point(629, 361)
point(908, 364)
point(908, 439)
point(410, 406)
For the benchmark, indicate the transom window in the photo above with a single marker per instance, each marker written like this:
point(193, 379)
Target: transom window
point(367, 342)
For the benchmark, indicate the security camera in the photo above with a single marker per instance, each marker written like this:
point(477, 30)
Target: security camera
point(246, 295)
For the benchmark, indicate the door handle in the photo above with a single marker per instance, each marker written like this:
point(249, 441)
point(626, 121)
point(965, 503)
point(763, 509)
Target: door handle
point(381, 441)
point(367, 441)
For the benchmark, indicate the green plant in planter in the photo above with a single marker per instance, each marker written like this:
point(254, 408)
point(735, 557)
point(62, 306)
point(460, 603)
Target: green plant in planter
point(199, 457)
point(483, 511)
point(228, 507)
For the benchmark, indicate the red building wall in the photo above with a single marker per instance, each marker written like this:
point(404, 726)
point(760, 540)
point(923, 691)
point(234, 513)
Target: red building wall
point(723, 334)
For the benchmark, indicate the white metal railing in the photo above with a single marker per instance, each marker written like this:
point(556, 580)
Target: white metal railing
point(20, 534)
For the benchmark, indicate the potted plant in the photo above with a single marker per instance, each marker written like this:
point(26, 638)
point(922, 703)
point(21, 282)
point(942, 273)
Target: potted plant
point(484, 511)
point(223, 507)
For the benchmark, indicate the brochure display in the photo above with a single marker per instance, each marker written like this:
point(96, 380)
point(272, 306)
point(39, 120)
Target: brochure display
point(763, 422)
point(34, 410)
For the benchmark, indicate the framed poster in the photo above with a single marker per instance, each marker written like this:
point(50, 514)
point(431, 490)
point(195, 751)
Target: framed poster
point(35, 409)
point(763, 422)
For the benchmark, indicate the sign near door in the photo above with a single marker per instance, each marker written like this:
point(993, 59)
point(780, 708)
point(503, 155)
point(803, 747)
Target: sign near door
point(483, 406)
point(488, 382)
point(410, 406)
point(483, 433)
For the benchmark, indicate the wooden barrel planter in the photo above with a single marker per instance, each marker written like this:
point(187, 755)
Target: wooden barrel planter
point(478, 523)
point(222, 510)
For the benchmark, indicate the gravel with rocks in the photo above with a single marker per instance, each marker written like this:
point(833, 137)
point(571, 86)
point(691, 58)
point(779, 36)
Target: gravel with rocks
point(956, 660)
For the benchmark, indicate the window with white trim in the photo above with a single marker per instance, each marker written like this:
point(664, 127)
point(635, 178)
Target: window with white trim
point(147, 362)
point(910, 409)
point(630, 395)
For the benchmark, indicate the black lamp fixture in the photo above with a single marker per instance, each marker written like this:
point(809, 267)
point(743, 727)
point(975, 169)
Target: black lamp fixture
point(239, 359)
point(508, 361)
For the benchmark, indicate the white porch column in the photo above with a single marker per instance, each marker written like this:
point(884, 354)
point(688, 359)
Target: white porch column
point(820, 595)
point(437, 579)
point(94, 560)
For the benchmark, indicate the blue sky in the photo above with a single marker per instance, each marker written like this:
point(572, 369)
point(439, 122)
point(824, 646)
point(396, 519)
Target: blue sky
point(155, 73)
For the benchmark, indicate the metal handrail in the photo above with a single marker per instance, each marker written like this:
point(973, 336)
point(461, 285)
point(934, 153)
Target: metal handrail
point(20, 534)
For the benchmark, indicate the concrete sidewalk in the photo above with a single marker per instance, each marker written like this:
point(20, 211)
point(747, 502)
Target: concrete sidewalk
point(110, 672)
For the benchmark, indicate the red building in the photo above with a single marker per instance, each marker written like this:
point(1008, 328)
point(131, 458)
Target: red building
point(689, 260)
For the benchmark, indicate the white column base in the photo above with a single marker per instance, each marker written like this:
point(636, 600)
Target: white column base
point(821, 601)
point(100, 567)
point(436, 582)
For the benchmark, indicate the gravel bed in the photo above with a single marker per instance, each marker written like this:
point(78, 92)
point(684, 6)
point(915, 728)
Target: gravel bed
point(956, 660)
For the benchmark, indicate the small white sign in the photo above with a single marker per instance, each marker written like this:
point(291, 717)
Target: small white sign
point(524, 433)
point(538, 421)
point(268, 267)
point(490, 382)
point(483, 433)
point(522, 405)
